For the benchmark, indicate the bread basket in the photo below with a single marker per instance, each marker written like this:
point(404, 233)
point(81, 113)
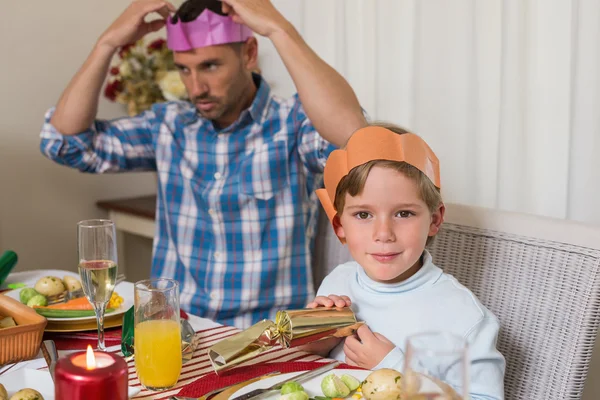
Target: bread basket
point(21, 342)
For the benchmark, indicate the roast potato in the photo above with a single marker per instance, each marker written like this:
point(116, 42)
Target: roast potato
point(383, 384)
point(49, 286)
point(71, 283)
point(3, 392)
point(27, 394)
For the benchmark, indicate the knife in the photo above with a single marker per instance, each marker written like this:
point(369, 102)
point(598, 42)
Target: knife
point(259, 393)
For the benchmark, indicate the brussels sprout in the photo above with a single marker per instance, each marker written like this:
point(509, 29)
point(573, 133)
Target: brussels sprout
point(37, 300)
point(332, 386)
point(300, 395)
point(27, 294)
point(351, 382)
point(291, 387)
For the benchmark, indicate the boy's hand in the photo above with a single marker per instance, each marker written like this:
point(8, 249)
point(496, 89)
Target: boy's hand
point(367, 348)
point(330, 301)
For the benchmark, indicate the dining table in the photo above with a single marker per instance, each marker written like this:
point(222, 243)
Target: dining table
point(199, 366)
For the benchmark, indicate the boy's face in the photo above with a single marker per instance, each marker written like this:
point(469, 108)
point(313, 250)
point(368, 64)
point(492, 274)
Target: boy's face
point(387, 225)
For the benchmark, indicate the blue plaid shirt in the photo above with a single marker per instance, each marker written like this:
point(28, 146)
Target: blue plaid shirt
point(236, 209)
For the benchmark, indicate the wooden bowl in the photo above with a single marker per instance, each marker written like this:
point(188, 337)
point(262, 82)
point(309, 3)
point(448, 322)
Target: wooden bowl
point(21, 342)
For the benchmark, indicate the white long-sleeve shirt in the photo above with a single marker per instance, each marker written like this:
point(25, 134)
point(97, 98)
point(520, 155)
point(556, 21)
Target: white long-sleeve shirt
point(430, 300)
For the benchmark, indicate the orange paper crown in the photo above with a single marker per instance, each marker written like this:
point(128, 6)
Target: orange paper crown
point(376, 143)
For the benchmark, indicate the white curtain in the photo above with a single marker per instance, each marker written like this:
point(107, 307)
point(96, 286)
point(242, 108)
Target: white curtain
point(506, 92)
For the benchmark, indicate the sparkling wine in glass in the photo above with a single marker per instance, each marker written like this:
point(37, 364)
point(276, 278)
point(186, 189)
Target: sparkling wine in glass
point(436, 367)
point(97, 245)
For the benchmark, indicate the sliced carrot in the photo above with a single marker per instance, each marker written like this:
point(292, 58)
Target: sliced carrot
point(80, 303)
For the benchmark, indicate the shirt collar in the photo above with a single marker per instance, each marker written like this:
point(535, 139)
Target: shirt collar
point(427, 275)
point(257, 109)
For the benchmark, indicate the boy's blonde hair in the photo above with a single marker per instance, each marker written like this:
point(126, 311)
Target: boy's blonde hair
point(354, 183)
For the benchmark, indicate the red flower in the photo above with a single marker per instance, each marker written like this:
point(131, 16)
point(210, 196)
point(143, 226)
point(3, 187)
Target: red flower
point(112, 89)
point(114, 71)
point(125, 49)
point(157, 45)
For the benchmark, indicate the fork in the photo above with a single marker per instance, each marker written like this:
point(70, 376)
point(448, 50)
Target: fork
point(65, 296)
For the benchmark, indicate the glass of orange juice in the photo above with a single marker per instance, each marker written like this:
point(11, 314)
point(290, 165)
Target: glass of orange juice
point(157, 335)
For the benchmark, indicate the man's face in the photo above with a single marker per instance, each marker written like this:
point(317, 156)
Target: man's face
point(217, 79)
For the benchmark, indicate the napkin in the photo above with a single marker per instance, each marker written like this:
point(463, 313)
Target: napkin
point(212, 381)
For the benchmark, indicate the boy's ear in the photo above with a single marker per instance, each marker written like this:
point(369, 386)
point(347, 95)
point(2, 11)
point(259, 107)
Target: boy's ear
point(338, 228)
point(437, 218)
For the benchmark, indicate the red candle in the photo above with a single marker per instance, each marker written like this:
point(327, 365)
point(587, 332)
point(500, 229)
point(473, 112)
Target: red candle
point(91, 375)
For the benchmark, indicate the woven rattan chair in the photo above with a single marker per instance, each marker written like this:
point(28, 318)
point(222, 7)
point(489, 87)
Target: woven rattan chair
point(539, 276)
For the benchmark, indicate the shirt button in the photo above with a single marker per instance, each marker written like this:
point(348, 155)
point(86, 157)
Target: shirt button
point(211, 212)
point(218, 175)
point(214, 295)
point(217, 255)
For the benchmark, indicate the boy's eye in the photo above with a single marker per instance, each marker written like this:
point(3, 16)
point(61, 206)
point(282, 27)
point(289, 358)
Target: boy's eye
point(404, 214)
point(362, 215)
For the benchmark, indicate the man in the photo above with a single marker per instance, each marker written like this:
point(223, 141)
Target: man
point(237, 167)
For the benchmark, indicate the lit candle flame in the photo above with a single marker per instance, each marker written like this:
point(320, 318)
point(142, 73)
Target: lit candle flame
point(90, 358)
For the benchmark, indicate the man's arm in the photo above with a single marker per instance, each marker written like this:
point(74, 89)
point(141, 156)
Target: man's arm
point(329, 101)
point(78, 105)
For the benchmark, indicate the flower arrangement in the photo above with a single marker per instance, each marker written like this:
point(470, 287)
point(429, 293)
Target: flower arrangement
point(144, 75)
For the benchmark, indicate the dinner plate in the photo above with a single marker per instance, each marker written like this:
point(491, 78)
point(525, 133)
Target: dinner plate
point(29, 278)
point(35, 379)
point(312, 387)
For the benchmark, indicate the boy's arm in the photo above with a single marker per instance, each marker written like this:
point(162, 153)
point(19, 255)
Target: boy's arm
point(487, 364)
point(328, 99)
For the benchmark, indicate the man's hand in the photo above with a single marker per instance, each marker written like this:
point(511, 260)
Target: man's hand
point(366, 349)
point(260, 15)
point(130, 26)
point(330, 301)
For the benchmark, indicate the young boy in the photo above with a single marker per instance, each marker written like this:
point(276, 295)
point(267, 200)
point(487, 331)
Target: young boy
point(382, 195)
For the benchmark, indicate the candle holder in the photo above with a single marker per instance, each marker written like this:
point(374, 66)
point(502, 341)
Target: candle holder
point(91, 375)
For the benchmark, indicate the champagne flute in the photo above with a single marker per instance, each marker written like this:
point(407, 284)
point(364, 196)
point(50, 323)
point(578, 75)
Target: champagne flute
point(436, 367)
point(97, 248)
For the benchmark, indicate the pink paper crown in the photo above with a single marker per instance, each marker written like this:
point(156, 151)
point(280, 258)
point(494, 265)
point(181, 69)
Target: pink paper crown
point(209, 29)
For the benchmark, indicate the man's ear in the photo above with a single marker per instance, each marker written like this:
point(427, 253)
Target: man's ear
point(338, 228)
point(437, 218)
point(250, 54)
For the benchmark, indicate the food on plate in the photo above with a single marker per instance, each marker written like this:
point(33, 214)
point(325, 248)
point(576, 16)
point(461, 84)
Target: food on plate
point(49, 286)
point(383, 384)
point(79, 303)
point(291, 387)
point(26, 294)
point(115, 301)
point(333, 386)
point(27, 394)
point(71, 283)
point(300, 395)
point(3, 392)
point(351, 382)
point(37, 300)
point(6, 322)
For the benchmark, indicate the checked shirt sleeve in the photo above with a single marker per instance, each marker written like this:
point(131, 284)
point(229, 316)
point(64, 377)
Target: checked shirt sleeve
point(313, 149)
point(124, 144)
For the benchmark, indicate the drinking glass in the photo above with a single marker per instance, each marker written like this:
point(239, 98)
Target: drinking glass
point(97, 250)
point(157, 334)
point(436, 367)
